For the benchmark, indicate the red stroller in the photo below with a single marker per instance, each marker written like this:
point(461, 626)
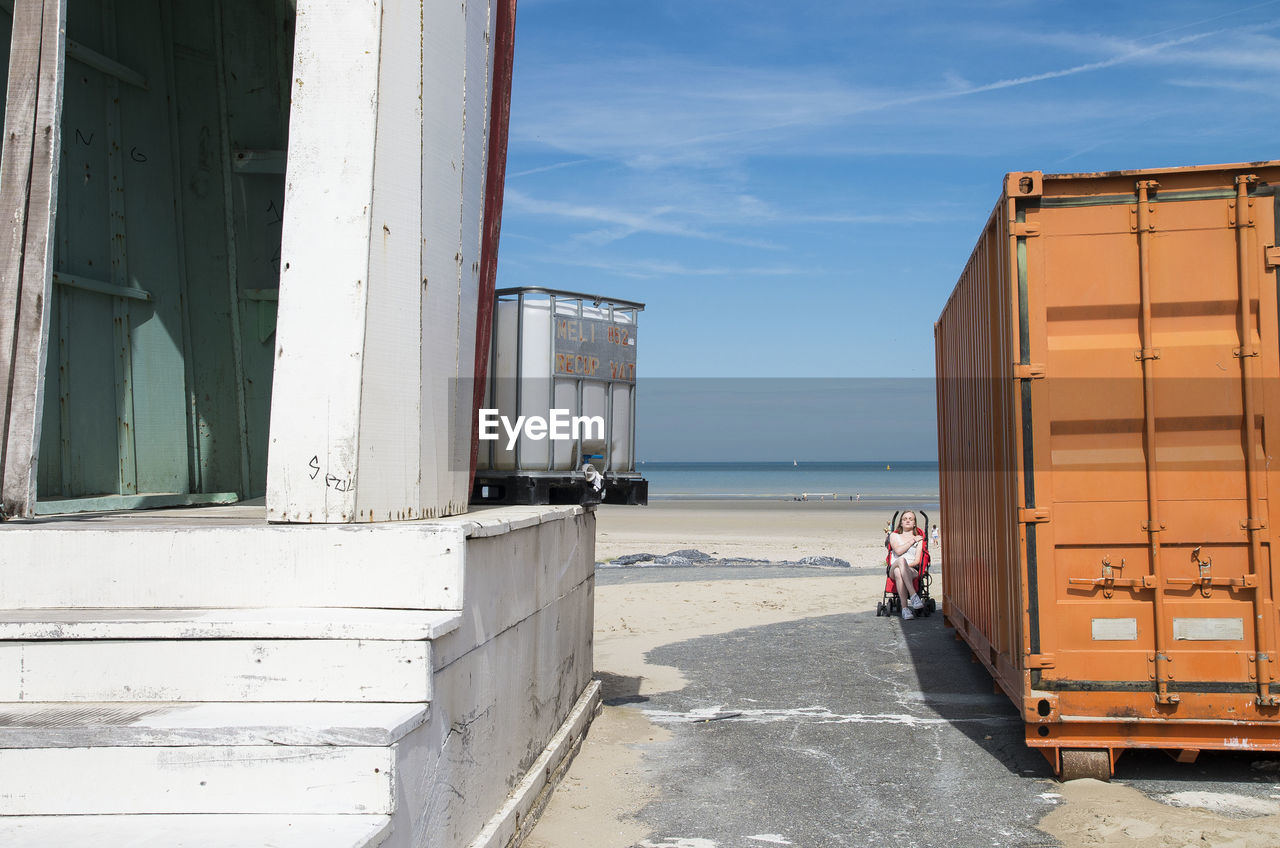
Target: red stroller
point(892, 605)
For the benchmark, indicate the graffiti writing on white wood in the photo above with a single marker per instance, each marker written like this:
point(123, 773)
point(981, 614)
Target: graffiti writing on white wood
point(331, 481)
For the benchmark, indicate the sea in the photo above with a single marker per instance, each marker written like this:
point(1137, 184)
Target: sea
point(914, 483)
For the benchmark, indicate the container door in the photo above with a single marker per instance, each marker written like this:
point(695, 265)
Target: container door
point(1151, 479)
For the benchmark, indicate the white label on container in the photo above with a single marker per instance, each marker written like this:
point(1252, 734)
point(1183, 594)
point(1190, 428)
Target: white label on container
point(1209, 629)
point(1115, 629)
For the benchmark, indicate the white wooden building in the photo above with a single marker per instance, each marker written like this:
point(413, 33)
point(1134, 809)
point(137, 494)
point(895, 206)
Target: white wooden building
point(249, 250)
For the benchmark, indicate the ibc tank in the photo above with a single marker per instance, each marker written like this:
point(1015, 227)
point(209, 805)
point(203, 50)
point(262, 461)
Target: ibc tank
point(561, 350)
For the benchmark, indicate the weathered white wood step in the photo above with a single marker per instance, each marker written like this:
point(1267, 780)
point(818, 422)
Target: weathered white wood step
point(64, 725)
point(275, 623)
point(277, 779)
point(179, 563)
point(194, 831)
point(217, 670)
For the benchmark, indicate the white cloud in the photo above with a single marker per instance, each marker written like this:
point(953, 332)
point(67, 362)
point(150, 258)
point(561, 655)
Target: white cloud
point(665, 269)
point(620, 223)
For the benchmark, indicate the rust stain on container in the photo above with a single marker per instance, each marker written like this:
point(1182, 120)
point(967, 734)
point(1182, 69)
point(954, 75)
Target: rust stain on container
point(1108, 366)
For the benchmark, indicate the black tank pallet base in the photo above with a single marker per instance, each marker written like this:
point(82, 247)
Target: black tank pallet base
point(522, 489)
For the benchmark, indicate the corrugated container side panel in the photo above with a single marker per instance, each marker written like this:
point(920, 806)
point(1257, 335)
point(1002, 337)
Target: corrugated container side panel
point(975, 446)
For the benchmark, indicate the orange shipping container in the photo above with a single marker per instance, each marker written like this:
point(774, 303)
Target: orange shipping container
point(1107, 370)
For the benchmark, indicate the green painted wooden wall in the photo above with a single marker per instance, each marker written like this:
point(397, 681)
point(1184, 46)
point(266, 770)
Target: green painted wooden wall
point(171, 197)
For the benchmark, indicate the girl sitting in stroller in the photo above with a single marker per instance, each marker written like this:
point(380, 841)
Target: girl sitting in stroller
point(906, 552)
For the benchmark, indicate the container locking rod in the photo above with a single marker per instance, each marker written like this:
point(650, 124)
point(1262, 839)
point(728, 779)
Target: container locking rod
point(1108, 581)
point(1146, 355)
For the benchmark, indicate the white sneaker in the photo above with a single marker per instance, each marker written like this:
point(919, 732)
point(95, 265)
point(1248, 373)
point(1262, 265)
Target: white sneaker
point(907, 615)
point(916, 603)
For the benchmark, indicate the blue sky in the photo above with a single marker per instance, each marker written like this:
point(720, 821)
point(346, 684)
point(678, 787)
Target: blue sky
point(794, 187)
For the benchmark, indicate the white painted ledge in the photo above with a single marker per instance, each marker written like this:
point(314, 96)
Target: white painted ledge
point(194, 831)
point(266, 623)
point(495, 521)
point(175, 724)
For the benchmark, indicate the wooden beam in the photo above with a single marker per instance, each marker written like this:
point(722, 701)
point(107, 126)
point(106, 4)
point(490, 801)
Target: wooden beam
point(15, 176)
point(328, 222)
point(26, 295)
point(258, 161)
point(100, 287)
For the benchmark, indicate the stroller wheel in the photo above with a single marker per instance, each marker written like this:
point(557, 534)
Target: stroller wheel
point(880, 609)
point(930, 605)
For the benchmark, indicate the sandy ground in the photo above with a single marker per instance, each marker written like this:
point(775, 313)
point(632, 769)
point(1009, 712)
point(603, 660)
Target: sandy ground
point(774, 530)
point(608, 784)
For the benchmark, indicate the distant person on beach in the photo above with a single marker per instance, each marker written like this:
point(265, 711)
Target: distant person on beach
point(935, 534)
point(906, 546)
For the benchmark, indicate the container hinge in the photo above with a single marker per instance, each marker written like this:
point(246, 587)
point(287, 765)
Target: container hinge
point(1146, 353)
point(1243, 352)
point(1026, 229)
point(1158, 669)
point(1253, 524)
point(1039, 660)
point(1231, 214)
point(1034, 371)
point(1133, 218)
point(1272, 255)
point(1034, 515)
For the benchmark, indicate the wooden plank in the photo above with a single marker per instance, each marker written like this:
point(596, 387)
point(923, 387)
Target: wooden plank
point(479, 92)
point(224, 565)
point(217, 670)
point(164, 724)
point(312, 464)
point(153, 500)
point(35, 625)
point(89, 439)
point(122, 338)
point(158, 378)
point(214, 830)
point(215, 387)
point(232, 233)
point(258, 161)
point(111, 289)
point(30, 351)
point(444, 86)
point(199, 779)
point(390, 397)
point(15, 176)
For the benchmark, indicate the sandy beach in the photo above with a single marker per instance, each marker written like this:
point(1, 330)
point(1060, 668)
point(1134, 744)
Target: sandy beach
point(609, 783)
point(759, 529)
